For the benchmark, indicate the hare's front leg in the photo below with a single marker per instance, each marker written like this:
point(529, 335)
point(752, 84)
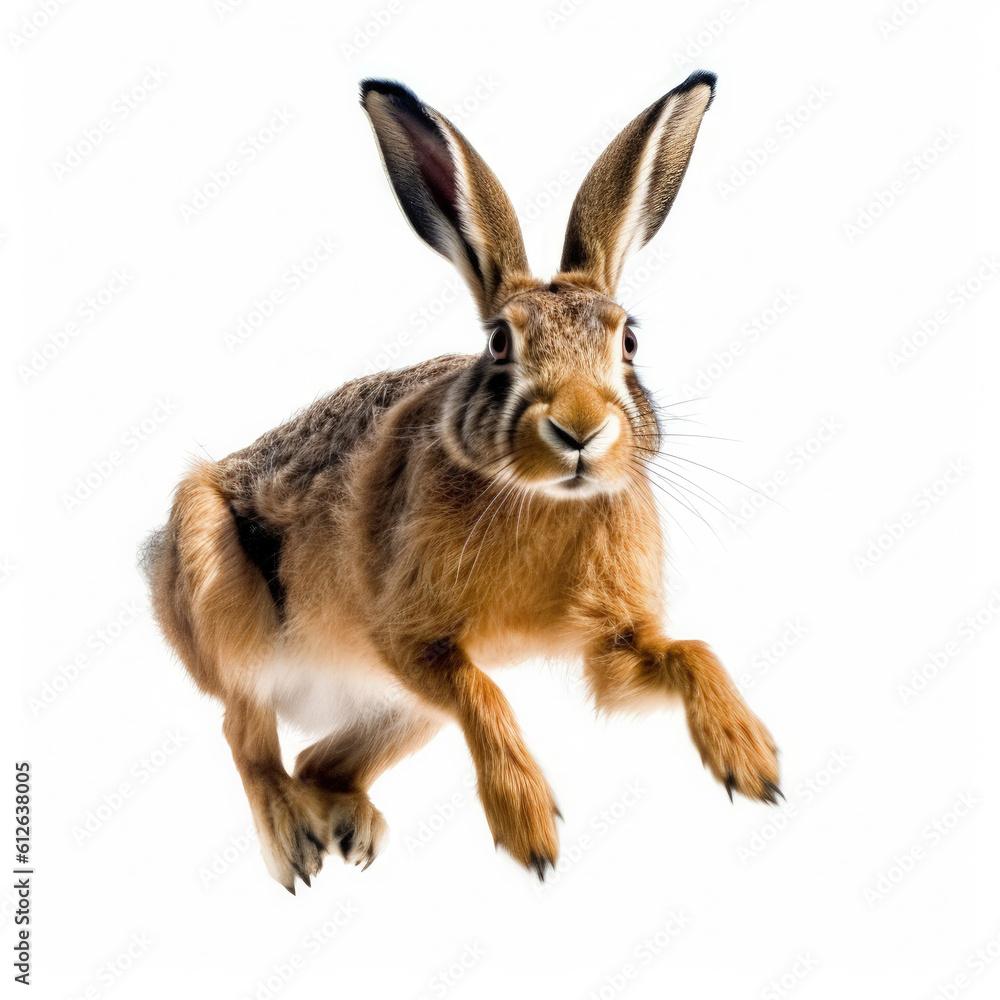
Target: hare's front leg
point(515, 795)
point(632, 665)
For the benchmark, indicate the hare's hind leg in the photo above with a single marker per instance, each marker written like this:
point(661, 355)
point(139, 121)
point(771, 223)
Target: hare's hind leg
point(293, 820)
point(216, 610)
point(344, 765)
point(632, 666)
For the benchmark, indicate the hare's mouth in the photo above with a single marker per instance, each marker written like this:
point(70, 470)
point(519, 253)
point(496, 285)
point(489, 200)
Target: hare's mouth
point(582, 483)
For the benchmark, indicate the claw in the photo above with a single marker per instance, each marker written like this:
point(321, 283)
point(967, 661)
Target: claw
point(291, 888)
point(347, 842)
point(371, 858)
point(772, 790)
point(302, 874)
point(539, 866)
point(730, 785)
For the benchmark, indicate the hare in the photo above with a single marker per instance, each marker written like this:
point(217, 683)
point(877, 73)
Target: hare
point(358, 569)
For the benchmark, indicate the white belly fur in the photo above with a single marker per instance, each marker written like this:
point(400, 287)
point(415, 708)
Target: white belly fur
point(320, 694)
point(321, 697)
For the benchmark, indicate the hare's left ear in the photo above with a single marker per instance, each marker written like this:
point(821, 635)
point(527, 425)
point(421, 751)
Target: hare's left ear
point(629, 190)
point(446, 191)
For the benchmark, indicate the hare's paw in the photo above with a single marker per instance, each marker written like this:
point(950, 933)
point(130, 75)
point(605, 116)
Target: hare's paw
point(359, 829)
point(522, 815)
point(734, 744)
point(294, 830)
point(737, 748)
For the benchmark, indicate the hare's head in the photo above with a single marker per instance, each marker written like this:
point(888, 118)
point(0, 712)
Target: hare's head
point(553, 402)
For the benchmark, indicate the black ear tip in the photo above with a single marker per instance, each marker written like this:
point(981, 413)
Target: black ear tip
point(397, 92)
point(699, 76)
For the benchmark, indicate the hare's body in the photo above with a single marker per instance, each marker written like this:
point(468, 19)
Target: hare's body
point(356, 569)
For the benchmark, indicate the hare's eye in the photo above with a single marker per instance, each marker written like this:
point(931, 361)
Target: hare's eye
point(629, 344)
point(500, 343)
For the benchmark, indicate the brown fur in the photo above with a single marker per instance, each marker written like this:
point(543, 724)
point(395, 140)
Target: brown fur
point(428, 524)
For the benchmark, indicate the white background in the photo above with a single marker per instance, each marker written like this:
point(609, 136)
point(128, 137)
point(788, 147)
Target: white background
point(875, 879)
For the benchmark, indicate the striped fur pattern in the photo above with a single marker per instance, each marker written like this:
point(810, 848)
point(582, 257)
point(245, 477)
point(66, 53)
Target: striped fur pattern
point(359, 570)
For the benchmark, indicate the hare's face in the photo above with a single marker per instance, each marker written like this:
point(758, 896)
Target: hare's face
point(554, 403)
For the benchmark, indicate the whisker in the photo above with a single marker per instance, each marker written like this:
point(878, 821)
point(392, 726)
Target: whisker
point(680, 498)
point(746, 486)
point(713, 502)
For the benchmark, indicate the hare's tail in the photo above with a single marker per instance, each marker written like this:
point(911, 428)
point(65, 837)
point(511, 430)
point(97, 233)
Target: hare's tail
point(209, 598)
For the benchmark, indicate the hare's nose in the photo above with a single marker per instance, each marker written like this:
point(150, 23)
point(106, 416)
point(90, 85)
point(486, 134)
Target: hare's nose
point(593, 443)
point(566, 437)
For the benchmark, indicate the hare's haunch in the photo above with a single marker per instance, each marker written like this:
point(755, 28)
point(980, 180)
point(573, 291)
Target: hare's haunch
point(358, 569)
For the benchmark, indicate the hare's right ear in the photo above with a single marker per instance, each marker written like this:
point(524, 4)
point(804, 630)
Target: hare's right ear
point(451, 198)
point(630, 188)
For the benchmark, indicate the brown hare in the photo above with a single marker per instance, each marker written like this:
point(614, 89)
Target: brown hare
point(358, 569)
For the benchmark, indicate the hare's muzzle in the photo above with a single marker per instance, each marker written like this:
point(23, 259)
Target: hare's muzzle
point(575, 444)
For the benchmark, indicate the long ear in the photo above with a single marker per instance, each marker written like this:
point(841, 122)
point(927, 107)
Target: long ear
point(451, 198)
point(629, 190)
